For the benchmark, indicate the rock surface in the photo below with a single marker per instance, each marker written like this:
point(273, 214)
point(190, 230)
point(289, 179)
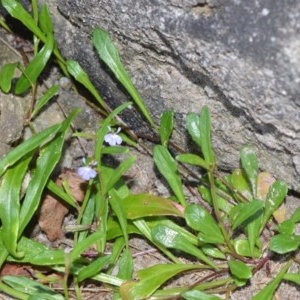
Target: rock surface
point(241, 58)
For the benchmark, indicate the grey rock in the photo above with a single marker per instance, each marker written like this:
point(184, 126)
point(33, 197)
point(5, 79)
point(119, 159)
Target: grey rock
point(241, 58)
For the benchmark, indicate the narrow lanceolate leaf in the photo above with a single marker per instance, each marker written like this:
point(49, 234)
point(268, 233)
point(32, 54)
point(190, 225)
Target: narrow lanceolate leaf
point(146, 205)
point(109, 54)
point(192, 159)
point(6, 76)
point(198, 218)
point(26, 147)
point(16, 10)
point(50, 155)
point(196, 295)
point(35, 67)
point(10, 204)
point(205, 128)
point(172, 239)
point(275, 197)
point(166, 126)
point(151, 279)
point(193, 127)
point(168, 167)
point(267, 292)
point(250, 166)
point(31, 287)
point(45, 20)
point(78, 73)
point(44, 99)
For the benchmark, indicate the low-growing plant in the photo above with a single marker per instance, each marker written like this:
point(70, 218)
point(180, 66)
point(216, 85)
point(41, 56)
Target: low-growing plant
point(227, 235)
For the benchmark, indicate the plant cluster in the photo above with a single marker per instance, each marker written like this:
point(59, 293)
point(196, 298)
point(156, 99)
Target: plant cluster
point(228, 235)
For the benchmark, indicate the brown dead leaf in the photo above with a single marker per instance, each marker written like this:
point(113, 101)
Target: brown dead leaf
point(52, 211)
point(16, 270)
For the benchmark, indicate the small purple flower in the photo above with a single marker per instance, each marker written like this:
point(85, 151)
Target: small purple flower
point(86, 173)
point(113, 139)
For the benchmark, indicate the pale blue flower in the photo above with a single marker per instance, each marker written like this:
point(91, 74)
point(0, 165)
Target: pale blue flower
point(112, 138)
point(86, 172)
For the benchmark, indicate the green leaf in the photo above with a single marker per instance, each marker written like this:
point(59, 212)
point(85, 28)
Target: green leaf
point(267, 292)
point(118, 208)
point(239, 182)
point(275, 197)
point(26, 147)
point(45, 20)
point(284, 243)
point(239, 269)
point(287, 227)
point(166, 126)
point(197, 295)
point(205, 127)
point(192, 159)
point(198, 218)
point(242, 248)
point(35, 67)
point(295, 217)
point(31, 287)
point(16, 10)
point(293, 277)
point(168, 167)
point(77, 72)
point(84, 244)
point(125, 265)
point(44, 99)
point(93, 268)
point(250, 166)
point(119, 172)
point(243, 212)
point(143, 205)
point(49, 157)
point(109, 54)
point(10, 204)
point(6, 76)
point(151, 279)
point(253, 230)
point(172, 239)
point(193, 127)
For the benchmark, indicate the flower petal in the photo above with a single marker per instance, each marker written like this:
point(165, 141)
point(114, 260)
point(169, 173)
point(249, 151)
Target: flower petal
point(86, 173)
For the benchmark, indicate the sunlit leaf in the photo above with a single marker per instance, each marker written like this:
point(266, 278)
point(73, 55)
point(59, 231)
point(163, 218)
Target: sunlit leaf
point(192, 159)
point(45, 20)
point(172, 239)
point(151, 279)
point(239, 269)
point(142, 205)
point(197, 295)
point(250, 166)
point(193, 127)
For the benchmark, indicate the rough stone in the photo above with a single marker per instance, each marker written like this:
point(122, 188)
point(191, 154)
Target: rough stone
point(241, 58)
